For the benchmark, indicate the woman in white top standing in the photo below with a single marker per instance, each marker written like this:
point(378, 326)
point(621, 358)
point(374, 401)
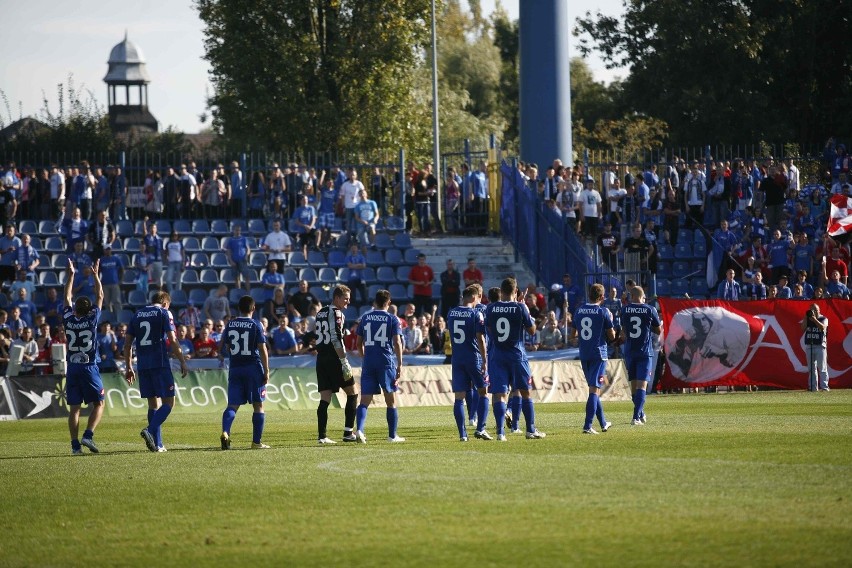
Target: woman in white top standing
point(176, 258)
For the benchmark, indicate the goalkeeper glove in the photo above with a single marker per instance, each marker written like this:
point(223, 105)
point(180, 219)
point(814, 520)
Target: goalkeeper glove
point(347, 368)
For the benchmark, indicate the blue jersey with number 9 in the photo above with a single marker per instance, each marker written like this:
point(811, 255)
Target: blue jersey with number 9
point(241, 341)
point(505, 323)
point(149, 327)
point(377, 330)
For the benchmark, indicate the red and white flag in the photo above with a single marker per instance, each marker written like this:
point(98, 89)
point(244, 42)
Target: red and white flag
point(840, 218)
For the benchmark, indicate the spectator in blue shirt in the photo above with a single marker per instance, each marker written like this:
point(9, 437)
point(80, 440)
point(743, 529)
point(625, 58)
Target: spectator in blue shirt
point(284, 339)
point(9, 245)
point(366, 218)
point(25, 307)
point(305, 218)
point(357, 262)
point(271, 280)
point(111, 268)
point(238, 250)
point(778, 251)
point(27, 258)
point(784, 291)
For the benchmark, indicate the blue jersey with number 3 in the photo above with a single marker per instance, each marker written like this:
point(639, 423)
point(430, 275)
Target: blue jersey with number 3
point(81, 332)
point(637, 321)
point(465, 324)
point(241, 341)
point(377, 329)
point(591, 322)
point(506, 322)
point(149, 328)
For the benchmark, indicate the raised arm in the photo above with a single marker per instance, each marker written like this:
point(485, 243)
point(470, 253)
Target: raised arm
point(69, 283)
point(99, 289)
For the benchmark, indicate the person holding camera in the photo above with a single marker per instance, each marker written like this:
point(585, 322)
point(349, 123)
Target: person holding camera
point(815, 326)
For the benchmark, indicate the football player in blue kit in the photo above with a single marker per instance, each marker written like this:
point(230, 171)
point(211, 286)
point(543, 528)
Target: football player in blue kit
point(593, 323)
point(505, 322)
point(380, 344)
point(466, 325)
point(150, 327)
point(244, 342)
point(639, 321)
point(83, 379)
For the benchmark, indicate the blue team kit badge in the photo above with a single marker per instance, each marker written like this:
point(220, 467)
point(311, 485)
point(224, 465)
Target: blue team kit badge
point(81, 358)
point(262, 392)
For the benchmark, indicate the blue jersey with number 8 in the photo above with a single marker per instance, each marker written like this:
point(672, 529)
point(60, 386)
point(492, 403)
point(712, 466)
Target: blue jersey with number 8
point(591, 322)
point(149, 327)
point(241, 341)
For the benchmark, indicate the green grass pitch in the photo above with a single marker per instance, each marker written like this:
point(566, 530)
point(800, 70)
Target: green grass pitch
point(745, 479)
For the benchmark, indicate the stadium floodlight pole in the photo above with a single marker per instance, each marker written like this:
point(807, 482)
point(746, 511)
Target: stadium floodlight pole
point(436, 152)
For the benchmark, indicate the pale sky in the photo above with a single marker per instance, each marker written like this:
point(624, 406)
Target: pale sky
point(51, 39)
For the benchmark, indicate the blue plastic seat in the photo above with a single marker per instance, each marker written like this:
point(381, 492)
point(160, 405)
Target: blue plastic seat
point(683, 250)
point(680, 287)
point(219, 260)
point(375, 258)
point(337, 259)
point(402, 241)
point(664, 287)
point(309, 274)
point(411, 255)
point(664, 270)
point(219, 228)
point(298, 259)
point(327, 275)
point(189, 277)
point(191, 244)
point(399, 293)
point(209, 276)
point(200, 227)
point(698, 287)
point(316, 258)
point(666, 251)
point(699, 249)
point(383, 241)
point(179, 297)
point(27, 227)
point(198, 296)
point(182, 227)
point(210, 244)
point(394, 257)
point(386, 275)
point(48, 228)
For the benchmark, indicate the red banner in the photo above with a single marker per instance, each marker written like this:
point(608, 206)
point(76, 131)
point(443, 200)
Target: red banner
point(709, 343)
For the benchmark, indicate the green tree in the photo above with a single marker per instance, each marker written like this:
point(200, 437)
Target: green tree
point(316, 74)
point(730, 71)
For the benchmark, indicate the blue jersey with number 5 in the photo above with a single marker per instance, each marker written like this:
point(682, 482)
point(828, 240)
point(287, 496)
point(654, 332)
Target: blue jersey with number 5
point(506, 322)
point(149, 328)
point(465, 324)
point(81, 332)
point(637, 321)
point(591, 322)
point(241, 341)
point(377, 329)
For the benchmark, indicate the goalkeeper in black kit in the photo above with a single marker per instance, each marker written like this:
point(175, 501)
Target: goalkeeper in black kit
point(333, 370)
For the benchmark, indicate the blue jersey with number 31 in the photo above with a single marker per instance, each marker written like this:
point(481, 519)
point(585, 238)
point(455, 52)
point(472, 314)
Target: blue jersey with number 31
point(377, 330)
point(241, 341)
point(149, 328)
point(591, 322)
point(637, 321)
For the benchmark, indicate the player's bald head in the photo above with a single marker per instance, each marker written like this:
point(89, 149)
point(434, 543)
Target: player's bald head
point(637, 293)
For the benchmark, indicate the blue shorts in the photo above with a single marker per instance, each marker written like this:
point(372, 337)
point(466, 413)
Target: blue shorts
point(594, 370)
point(638, 368)
point(466, 375)
point(156, 382)
point(325, 220)
point(245, 385)
point(377, 379)
point(83, 384)
point(506, 376)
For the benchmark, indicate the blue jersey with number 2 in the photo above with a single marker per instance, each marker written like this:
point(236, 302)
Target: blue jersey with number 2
point(149, 328)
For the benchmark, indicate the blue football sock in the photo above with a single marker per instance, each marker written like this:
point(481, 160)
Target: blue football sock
point(393, 420)
point(591, 406)
point(529, 413)
point(458, 413)
point(75, 445)
point(640, 395)
point(481, 412)
point(228, 419)
point(599, 411)
point(360, 417)
point(635, 399)
point(157, 421)
point(474, 404)
point(88, 434)
point(258, 419)
point(468, 400)
point(499, 407)
point(515, 406)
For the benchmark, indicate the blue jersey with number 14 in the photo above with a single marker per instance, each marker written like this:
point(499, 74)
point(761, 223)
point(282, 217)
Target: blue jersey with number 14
point(637, 321)
point(377, 329)
point(591, 322)
point(149, 328)
point(241, 341)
